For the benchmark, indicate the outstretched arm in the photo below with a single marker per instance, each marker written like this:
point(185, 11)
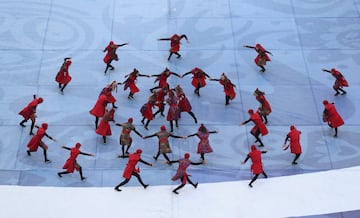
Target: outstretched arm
point(87, 154)
point(196, 163)
point(176, 74)
point(325, 70)
point(64, 147)
point(176, 136)
point(268, 52)
point(137, 133)
point(207, 75)
point(50, 137)
point(164, 39)
point(173, 161)
point(144, 162)
point(186, 73)
point(214, 79)
point(286, 139)
point(149, 136)
point(184, 36)
point(248, 46)
point(123, 44)
point(192, 135)
point(246, 159)
point(245, 122)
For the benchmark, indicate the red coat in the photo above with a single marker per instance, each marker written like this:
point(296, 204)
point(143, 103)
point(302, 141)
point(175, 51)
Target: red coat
point(175, 43)
point(108, 92)
point(130, 83)
point(340, 79)
point(294, 136)
point(255, 156)
point(30, 109)
point(110, 53)
point(174, 109)
point(130, 166)
point(35, 141)
point(160, 98)
point(184, 163)
point(104, 126)
point(146, 110)
point(71, 164)
point(100, 106)
point(198, 78)
point(63, 76)
point(228, 88)
point(331, 116)
point(259, 125)
point(262, 57)
point(162, 78)
point(265, 108)
point(184, 103)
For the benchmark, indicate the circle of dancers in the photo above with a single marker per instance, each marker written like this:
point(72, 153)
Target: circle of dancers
point(162, 96)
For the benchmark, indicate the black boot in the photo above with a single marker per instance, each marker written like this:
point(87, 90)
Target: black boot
point(147, 124)
point(227, 100)
point(262, 69)
point(22, 123)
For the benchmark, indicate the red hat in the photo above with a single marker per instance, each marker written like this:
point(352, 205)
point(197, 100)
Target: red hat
point(139, 151)
point(111, 42)
point(187, 155)
point(44, 125)
point(251, 111)
point(130, 120)
point(292, 127)
point(78, 145)
point(40, 100)
point(253, 148)
point(162, 128)
point(325, 102)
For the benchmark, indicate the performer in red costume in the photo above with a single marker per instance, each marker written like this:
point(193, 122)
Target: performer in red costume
point(198, 79)
point(184, 103)
point(340, 81)
point(164, 145)
point(175, 41)
point(146, 110)
point(29, 112)
point(71, 163)
point(229, 90)
point(262, 56)
point(36, 141)
point(108, 89)
point(63, 77)
point(162, 78)
point(131, 170)
point(331, 116)
point(295, 147)
point(100, 107)
point(104, 128)
point(130, 82)
point(160, 101)
point(256, 166)
point(125, 138)
point(111, 54)
point(174, 110)
point(265, 109)
point(181, 173)
point(259, 127)
point(204, 144)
